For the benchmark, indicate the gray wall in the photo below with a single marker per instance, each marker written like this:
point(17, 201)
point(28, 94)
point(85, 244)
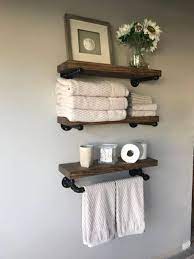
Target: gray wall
point(40, 219)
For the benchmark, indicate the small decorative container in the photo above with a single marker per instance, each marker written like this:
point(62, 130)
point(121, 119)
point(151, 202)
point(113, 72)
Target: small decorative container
point(108, 154)
point(86, 155)
point(143, 146)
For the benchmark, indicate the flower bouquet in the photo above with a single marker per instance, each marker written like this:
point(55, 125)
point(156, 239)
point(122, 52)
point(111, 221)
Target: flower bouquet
point(141, 37)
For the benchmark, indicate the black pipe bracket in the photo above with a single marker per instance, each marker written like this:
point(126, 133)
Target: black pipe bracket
point(136, 81)
point(70, 183)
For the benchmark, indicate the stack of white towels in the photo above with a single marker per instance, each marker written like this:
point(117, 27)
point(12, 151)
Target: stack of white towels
point(91, 100)
point(140, 105)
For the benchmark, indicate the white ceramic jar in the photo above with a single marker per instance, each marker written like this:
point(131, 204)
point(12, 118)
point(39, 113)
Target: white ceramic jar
point(86, 155)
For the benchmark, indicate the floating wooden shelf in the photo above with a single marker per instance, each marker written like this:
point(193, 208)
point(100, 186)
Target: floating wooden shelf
point(71, 69)
point(75, 171)
point(132, 121)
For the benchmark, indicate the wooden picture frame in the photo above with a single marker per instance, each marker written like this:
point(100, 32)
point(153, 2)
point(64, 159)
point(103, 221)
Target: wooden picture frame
point(88, 39)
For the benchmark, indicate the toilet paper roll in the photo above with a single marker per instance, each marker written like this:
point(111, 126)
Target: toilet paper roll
point(126, 150)
point(143, 149)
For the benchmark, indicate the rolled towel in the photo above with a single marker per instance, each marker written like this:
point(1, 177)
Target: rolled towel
point(92, 103)
point(91, 115)
point(141, 113)
point(85, 87)
point(144, 107)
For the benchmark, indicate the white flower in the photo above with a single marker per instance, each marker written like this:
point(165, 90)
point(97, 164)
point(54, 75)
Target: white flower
point(154, 45)
point(144, 35)
point(138, 27)
point(152, 29)
point(123, 30)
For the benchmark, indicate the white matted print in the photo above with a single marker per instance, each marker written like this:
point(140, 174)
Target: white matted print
point(88, 40)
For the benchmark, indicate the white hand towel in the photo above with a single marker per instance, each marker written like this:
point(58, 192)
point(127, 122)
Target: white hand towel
point(98, 213)
point(140, 97)
point(92, 87)
point(144, 107)
point(141, 113)
point(91, 116)
point(92, 103)
point(130, 206)
point(137, 101)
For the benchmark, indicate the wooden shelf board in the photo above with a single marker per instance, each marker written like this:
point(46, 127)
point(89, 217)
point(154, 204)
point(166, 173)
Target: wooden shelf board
point(138, 120)
point(107, 70)
point(75, 171)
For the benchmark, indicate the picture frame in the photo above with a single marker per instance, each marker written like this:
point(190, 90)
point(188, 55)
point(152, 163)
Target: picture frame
point(88, 39)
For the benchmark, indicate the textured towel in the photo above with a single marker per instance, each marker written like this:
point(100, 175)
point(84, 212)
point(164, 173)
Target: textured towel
point(141, 113)
point(140, 96)
point(91, 116)
point(144, 107)
point(102, 88)
point(92, 103)
point(139, 99)
point(130, 206)
point(98, 213)
point(134, 102)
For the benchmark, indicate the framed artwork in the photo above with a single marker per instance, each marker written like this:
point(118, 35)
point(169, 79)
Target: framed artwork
point(88, 39)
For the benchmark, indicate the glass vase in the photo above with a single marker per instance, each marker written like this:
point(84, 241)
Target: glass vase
point(138, 59)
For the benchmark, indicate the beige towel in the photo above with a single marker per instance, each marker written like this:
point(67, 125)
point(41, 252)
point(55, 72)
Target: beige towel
point(91, 115)
point(92, 87)
point(134, 102)
point(98, 213)
point(141, 113)
point(144, 107)
point(92, 103)
point(130, 206)
point(139, 99)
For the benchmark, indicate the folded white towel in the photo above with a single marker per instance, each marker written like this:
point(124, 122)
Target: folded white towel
point(92, 103)
point(91, 115)
point(135, 101)
point(130, 206)
point(139, 99)
point(138, 96)
point(98, 213)
point(144, 107)
point(141, 113)
point(94, 87)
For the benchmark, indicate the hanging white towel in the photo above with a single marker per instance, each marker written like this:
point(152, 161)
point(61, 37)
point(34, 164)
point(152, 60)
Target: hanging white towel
point(98, 213)
point(130, 206)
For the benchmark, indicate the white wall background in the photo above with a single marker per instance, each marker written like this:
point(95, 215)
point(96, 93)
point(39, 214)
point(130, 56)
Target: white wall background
point(38, 218)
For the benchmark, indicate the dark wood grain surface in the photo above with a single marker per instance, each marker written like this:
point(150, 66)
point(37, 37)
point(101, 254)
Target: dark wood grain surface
point(139, 120)
point(98, 69)
point(75, 171)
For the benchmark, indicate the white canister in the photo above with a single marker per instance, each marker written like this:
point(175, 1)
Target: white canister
point(143, 146)
point(86, 155)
